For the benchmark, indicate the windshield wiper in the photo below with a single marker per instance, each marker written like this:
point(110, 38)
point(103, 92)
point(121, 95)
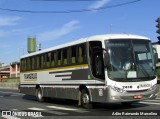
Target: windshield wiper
point(143, 70)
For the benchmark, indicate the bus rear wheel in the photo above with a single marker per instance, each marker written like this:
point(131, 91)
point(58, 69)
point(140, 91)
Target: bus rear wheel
point(39, 95)
point(85, 100)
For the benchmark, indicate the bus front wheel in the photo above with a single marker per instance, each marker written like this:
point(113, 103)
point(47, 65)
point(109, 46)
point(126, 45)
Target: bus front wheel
point(39, 95)
point(85, 99)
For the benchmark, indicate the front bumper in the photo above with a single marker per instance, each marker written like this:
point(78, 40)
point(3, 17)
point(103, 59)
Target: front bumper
point(128, 96)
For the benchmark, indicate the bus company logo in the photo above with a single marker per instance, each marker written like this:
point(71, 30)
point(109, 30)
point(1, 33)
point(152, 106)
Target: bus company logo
point(30, 76)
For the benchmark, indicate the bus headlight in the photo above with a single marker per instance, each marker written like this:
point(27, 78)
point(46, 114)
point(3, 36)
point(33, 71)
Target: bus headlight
point(152, 88)
point(117, 89)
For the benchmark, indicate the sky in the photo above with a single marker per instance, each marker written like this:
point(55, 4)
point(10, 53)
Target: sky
point(55, 22)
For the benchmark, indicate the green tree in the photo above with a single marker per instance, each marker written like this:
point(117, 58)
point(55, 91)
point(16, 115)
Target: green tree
point(158, 73)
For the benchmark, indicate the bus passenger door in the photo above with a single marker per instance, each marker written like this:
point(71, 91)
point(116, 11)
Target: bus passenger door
point(97, 69)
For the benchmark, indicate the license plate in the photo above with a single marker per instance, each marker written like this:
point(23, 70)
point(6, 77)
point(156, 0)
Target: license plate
point(138, 96)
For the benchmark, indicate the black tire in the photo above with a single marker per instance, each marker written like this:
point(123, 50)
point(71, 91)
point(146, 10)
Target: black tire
point(85, 100)
point(39, 95)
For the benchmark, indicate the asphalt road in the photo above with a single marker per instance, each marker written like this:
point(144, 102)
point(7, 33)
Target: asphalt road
point(22, 106)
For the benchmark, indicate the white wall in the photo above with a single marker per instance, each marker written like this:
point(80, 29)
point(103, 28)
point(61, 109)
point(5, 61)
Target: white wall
point(158, 50)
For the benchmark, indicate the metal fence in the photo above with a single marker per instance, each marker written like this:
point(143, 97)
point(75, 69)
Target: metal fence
point(9, 85)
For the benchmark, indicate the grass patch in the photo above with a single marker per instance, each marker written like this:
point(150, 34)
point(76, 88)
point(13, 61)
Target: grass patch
point(15, 80)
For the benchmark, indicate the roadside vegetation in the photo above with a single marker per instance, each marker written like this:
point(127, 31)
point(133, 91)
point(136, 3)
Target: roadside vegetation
point(15, 80)
point(158, 73)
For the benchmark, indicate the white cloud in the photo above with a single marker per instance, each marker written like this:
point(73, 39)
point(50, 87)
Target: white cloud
point(98, 4)
point(56, 33)
point(9, 20)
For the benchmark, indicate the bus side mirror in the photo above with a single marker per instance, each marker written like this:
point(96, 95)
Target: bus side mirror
point(106, 58)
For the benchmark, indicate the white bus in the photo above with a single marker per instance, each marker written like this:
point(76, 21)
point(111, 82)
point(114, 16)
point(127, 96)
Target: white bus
point(100, 68)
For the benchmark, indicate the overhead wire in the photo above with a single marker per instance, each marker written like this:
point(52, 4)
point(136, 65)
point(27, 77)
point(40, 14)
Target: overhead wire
point(66, 0)
point(71, 11)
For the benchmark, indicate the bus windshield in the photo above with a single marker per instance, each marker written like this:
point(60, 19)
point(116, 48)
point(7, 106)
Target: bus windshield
point(130, 60)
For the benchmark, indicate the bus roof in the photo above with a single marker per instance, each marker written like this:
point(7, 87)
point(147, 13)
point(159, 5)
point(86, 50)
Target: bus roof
point(116, 36)
point(91, 38)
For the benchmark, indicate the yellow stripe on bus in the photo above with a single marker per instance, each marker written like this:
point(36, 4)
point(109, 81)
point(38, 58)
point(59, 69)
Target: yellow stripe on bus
point(57, 68)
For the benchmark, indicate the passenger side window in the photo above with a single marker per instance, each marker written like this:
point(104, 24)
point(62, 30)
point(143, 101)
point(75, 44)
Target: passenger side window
point(28, 64)
point(60, 53)
point(38, 60)
point(65, 61)
point(33, 62)
point(48, 59)
point(80, 54)
point(42, 61)
point(23, 65)
point(53, 58)
point(73, 55)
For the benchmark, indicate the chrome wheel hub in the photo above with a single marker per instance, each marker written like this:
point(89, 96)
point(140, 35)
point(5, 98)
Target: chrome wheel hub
point(85, 98)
